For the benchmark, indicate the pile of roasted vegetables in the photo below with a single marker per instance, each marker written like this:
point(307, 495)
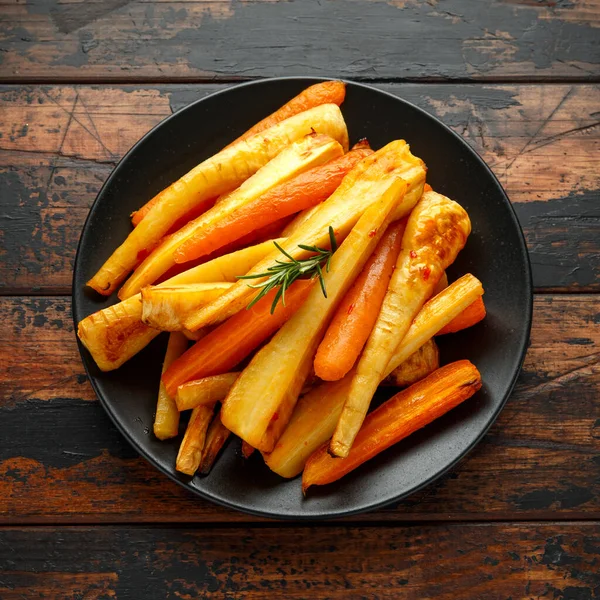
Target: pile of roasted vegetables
point(305, 274)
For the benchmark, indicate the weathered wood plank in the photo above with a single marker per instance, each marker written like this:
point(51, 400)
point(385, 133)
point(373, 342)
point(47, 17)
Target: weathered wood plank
point(444, 561)
point(369, 39)
point(62, 460)
point(58, 145)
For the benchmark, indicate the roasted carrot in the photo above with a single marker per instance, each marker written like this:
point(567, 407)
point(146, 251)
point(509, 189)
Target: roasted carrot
point(357, 313)
point(216, 436)
point(326, 92)
point(470, 316)
point(303, 191)
point(396, 419)
point(227, 345)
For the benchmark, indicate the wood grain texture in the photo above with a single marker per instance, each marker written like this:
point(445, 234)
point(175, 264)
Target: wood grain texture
point(369, 39)
point(62, 460)
point(58, 145)
point(446, 562)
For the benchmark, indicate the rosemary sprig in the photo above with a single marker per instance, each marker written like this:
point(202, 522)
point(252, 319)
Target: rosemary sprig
point(284, 273)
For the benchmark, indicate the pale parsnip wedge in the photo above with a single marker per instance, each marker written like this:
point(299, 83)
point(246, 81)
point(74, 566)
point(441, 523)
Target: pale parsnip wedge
point(167, 307)
point(166, 421)
point(207, 390)
point(341, 211)
point(419, 364)
point(311, 151)
point(434, 315)
point(217, 175)
point(116, 333)
point(216, 437)
point(317, 413)
point(314, 418)
point(190, 451)
point(436, 231)
point(261, 401)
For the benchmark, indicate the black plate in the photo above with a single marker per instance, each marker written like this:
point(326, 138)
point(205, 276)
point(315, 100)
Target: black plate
point(495, 253)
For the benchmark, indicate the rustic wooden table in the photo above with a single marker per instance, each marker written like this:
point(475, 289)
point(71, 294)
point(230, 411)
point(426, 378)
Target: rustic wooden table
point(82, 515)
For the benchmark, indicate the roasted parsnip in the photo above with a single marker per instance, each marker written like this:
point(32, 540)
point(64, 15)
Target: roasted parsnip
point(219, 174)
point(436, 231)
point(190, 451)
point(368, 180)
point(207, 390)
point(436, 314)
point(167, 307)
point(261, 401)
point(114, 334)
point(166, 421)
point(308, 152)
point(417, 366)
point(216, 436)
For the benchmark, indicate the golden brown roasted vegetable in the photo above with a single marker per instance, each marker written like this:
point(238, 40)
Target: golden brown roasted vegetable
point(436, 231)
point(190, 451)
point(313, 421)
point(166, 421)
point(308, 152)
point(405, 413)
point(341, 211)
point(261, 401)
point(216, 437)
point(114, 334)
point(217, 175)
point(436, 314)
point(417, 366)
point(207, 390)
point(167, 307)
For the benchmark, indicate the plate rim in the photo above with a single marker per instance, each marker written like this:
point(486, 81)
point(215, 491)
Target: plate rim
point(333, 514)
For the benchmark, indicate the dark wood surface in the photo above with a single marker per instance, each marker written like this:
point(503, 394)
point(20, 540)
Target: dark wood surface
point(82, 516)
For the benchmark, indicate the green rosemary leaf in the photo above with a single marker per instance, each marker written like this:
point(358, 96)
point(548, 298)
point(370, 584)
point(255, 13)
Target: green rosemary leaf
point(282, 274)
point(285, 253)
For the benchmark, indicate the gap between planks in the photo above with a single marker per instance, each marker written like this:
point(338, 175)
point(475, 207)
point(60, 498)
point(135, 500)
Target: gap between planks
point(141, 80)
point(295, 524)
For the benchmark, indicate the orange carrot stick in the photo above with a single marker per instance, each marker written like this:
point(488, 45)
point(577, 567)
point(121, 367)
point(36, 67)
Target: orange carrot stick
point(227, 345)
point(354, 319)
point(405, 413)
point(303, 191)
point(327, 92)
point(474, 313)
